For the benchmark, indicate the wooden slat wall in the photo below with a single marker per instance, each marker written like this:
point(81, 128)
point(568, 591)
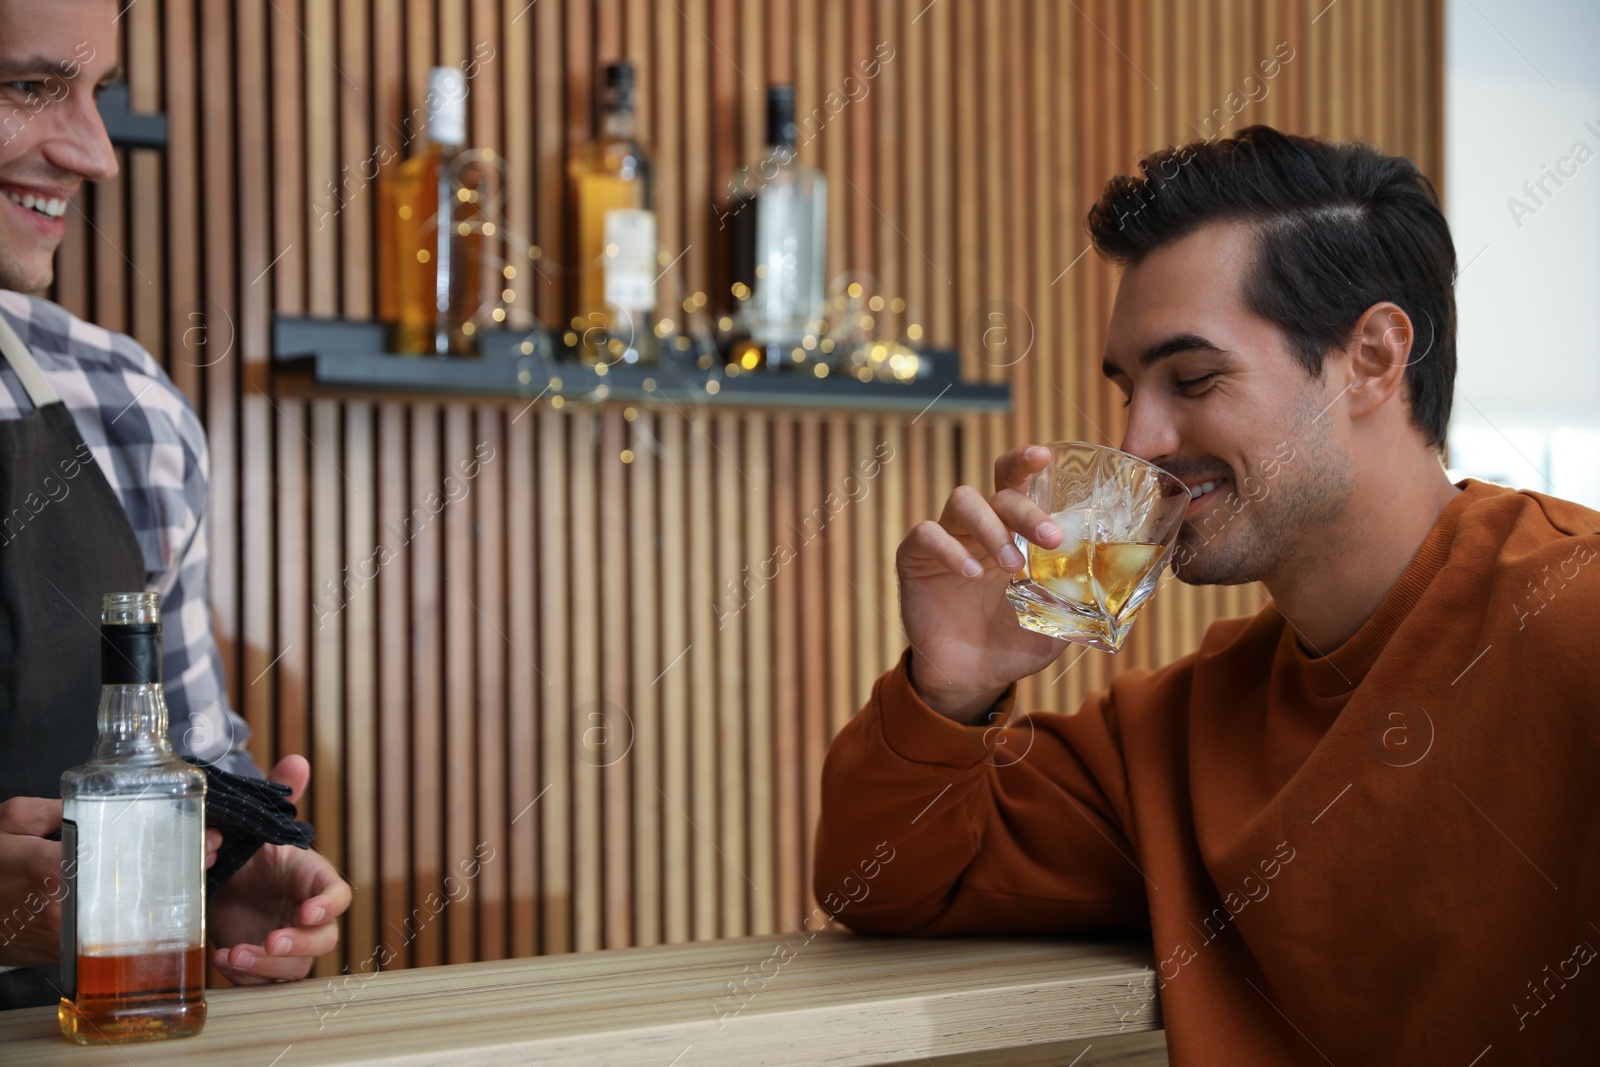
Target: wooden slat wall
point(555, 671)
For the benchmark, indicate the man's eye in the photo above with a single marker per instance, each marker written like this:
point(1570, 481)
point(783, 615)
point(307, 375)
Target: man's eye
point(27, 88)
point(1194, 383)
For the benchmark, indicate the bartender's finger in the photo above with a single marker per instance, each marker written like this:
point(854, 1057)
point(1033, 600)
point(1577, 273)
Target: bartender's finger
point(35, 816)
point(1012, 470)
point(303, 940)
point(213, 843)
point(251, 965)
point(327, 895)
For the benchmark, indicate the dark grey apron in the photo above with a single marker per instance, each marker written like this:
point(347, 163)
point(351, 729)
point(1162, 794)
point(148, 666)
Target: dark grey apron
point(65, 541)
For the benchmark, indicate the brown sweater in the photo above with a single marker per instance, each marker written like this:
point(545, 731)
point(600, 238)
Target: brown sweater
point(1390, 854)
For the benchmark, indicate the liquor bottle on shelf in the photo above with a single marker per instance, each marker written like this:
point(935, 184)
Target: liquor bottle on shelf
point(133, 854)
point(430, 220)
point(614, 316)
point(779, 241)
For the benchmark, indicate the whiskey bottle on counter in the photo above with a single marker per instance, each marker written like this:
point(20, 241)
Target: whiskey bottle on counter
point(614, 316)
point(432, 239)
point(132, 854)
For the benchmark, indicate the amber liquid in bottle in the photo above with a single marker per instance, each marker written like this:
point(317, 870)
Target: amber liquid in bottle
point(616, 236)
point(431, 284)
point(131, 995)
point(133, 854)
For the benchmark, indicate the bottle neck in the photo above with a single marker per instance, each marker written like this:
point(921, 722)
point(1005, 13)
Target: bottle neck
point(619, 124)
point(132, 721)
point(440, 149)
point(133, 711)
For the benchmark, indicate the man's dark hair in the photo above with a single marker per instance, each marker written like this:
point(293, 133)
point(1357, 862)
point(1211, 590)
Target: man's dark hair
point(1342, 227)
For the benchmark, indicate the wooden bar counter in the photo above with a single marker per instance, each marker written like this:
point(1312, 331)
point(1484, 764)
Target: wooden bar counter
point(837, 999)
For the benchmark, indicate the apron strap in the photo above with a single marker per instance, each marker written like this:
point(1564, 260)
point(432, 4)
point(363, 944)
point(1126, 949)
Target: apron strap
point(16, 353)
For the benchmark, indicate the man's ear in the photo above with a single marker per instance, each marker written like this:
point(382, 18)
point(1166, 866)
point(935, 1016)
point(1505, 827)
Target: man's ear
point(1384, 343)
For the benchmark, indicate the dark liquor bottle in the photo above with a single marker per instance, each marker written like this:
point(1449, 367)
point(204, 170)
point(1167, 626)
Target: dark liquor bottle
point(133, 854)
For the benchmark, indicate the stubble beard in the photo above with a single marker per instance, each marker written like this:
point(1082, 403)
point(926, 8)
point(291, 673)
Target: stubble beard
point(1250, 540)
point(24, 273)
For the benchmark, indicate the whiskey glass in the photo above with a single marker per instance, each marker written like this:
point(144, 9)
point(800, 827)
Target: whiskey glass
point(1119, 517)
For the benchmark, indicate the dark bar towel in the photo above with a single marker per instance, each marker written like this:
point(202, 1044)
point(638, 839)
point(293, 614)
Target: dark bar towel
point(250, 812)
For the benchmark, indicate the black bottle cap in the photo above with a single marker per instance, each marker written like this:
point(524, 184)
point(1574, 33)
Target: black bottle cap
point(619, 85)
point(130, 653)
point(780, 116)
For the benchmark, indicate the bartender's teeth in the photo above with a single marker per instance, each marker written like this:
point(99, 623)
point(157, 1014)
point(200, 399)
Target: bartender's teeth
point(1201, 490)
point(51, 208)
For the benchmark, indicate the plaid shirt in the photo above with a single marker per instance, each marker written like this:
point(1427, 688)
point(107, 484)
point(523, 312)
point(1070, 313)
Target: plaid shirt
point(150, 446)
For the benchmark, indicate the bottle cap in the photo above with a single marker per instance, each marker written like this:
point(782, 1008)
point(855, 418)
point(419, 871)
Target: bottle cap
point(780, 116)
point(447, 106)
point(619, 85)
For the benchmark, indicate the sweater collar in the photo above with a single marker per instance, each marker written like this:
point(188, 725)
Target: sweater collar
point(1341, 670)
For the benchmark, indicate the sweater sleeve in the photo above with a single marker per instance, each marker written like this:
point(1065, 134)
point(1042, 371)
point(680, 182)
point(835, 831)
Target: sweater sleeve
point(930, 827)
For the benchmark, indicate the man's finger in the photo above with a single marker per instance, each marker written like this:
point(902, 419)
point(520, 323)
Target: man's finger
point(930, 541)
point(1018, 511)
point(1012, 470)
point(968, 512)
point(34, 816)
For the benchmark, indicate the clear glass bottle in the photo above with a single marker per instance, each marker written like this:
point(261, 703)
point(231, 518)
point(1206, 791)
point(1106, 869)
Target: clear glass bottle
point(133, 854)
point(431, 239)
point(791, 225)
point(614, 317)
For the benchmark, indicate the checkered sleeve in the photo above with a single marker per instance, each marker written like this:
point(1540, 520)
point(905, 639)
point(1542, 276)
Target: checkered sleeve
point(202, 722)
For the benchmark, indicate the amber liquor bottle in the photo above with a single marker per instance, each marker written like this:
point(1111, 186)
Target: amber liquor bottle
point(431, 219)
point(133, 854)
point(617, 270)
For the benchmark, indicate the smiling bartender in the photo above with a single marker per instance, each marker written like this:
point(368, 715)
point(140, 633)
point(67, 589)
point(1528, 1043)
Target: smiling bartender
point(102, 489)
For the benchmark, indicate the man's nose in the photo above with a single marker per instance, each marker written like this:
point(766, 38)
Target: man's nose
point(78, 142)
point(1150, 434)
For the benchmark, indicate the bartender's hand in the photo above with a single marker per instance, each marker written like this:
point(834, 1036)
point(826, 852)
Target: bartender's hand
point(966, 644)
point(31, 886)
point(280, 911)
point(30, 882)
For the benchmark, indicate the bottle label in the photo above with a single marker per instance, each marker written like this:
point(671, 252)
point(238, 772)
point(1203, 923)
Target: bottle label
point(69, 909)
point(630, 260)
point(139, 883)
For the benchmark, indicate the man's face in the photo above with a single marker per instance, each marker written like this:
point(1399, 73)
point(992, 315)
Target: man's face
point(1218, 399)
point(54, 54)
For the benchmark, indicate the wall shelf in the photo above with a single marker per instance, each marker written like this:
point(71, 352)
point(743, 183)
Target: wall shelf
point(127, 128)
point(344, 355)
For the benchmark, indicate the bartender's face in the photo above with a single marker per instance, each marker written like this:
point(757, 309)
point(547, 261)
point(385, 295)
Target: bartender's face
point(1218, 398)
point(54, 55)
